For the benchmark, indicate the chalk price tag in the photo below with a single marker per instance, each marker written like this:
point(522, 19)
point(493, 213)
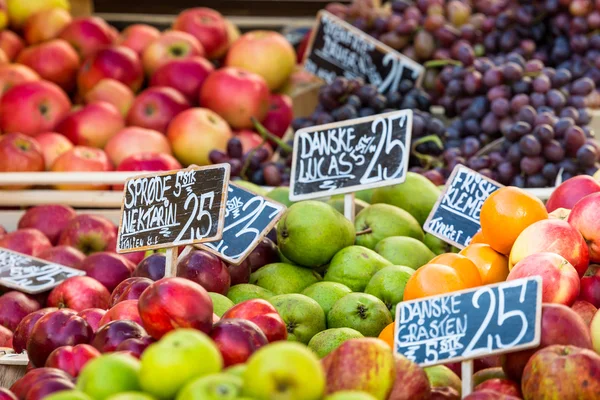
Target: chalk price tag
point(248, 219)
point(32, 275)
point(348, 156)
point(11, 358)
point(173, 209)
point(339, 49)
point(478, 322)
point(455, 216)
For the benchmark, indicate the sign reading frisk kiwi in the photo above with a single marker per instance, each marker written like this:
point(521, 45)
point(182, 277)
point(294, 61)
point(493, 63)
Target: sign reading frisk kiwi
point(357, 154)
point(339, 49)
point(173, 209)
point(455, 216)
point(472, 323)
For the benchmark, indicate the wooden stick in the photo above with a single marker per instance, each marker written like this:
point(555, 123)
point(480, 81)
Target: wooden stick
point(349, 206)
point(171, 262)
point(467, 377)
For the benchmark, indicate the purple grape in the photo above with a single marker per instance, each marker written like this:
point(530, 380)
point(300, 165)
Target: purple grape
point(587, 156)
point(235, 148)
point(501, 107)
point(544, 133)
point(470, 146)
point(554, 151)
point(217, 157)
point(531, 165)
point(574, 139)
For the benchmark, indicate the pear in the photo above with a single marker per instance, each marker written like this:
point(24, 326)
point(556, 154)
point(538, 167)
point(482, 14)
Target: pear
point(282, 278)
point(303, 316)
point(436, 245)
point(281, 194)
point(246, 291)
point(311, 232)
point(252, 187)
point(328, 340)
point(388, 285)
point(220, 303)
point(404, 250)
point(212, 387)
point(360, 311)
point(326, 293)
point(381, 221)
point(416, 194)
point(354, 266)
point(364, 195)
point(338, 204)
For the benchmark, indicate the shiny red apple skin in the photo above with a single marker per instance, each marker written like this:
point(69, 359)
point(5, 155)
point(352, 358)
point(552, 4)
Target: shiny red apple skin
point(6, 394)
point(11, 44)
point(87, 35)
point(116, 62)
point(109, 336)
point(239, 273)
point(111, 91)
point(129, 289)
point(82, 158)
point(151, 267)
point(586, 219)
point(43, 389)
point(110, 269)
point(6, 337)
point(252, 140)
point(590, 290)
point(205, 269)
point(585, 310)
point(138, 36)
point(53, 330)
point(92, 316)
point(93, 125)
point(172, 303)
point(49, 219)
point(88, 233)
point(27, 241)
point(24, 384)
point(155, 107)
point(20, 153)
point(206, 25)
point(14, 306)
point(237, 339)
point(79, 293)
point(124, 310)
point(171, 45)
point(263, 314)
point(135, 140)
point(264, 253)
point(185, 75)
point(72, 359)
point(24, 328)
point(280, 114)
point(146, 162)
point(568, 193)
point(15, 74)
point(53, 145)
point(63, 255)
point(46, 25)
point(135, 346)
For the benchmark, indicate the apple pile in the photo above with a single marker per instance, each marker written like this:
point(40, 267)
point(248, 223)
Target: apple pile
point(77, 95)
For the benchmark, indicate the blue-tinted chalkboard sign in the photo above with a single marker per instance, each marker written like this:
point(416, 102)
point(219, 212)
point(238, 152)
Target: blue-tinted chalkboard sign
point(455, 216)
point(468, 324)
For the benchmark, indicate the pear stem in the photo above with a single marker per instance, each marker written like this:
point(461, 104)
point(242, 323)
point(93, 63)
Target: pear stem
point(364, 232)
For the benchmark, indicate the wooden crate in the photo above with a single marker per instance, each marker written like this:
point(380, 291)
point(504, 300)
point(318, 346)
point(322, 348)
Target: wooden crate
point(81, 8)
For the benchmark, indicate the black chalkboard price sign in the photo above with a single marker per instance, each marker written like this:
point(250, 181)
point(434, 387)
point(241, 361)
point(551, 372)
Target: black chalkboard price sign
point(344, 157)
point(31, 275)
point(173, 209)
point(463, 325)
point(339, 49)
point(248, 219)
point(455, 216)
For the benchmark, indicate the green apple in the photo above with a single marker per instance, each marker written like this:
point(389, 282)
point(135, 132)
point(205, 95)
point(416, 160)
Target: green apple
point(380, 221)
point(220, 303)
point(284, 370)
point(388, 285)
point(281, 194)
point(360, 311)
point(246, 291)
point(179, 357)
point(354, 266)
point(282, 278)
point(441, 376)
point(404, 250)
point(236, 370)
point(109, 374)
point(326, 293)
point(350, 395)
point(212, 387)
point(303, 316)
point(68, 395)
point(325, 342)
point(131, 396)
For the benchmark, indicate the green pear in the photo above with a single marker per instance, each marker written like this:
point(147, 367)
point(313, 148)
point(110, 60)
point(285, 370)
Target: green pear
point(220, 303)
point(212, 387)
point(325, 342)
point(404, 250)
point(303, 316)
point(338, 204)
point(381, 221)
point(311, 232)
point(441, 376)
point(121, 370)
point(350, 395)
point(388, 285)
point(280, 194)
point(364, 195)
point(326, 293)
point(416, 194)
point(253, 187)
point(282, 278)
point(237, 370)
point(131, 396)
point(436, 245)
point(68, 395)
point(246, 291)
point(360, 311)
point(354, 267)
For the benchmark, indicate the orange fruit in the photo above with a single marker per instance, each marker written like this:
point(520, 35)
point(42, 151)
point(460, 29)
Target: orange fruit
point(387, 335)
point(506, 213)
point(466, 268)
point(433, 279)
point(493, 266)
point(478, 238)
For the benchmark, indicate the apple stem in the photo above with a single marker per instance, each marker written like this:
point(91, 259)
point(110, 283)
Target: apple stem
point(268, 135)
point(364, 232)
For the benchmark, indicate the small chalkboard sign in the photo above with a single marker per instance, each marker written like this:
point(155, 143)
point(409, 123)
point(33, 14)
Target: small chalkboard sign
point(455, 216)
point(248, 219)
point(173, 208)
point(9, 357)
point(337, 48)
point(478, 322)
point(357, 154)
point(32, 275)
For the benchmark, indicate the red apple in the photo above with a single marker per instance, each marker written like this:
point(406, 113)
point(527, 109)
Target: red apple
point(568, 193)
point(194, 133)
point(92, 125)
point(239, 273)
point(503, 386)
point(72, 359)
point(138, 36)
point(54, 61)
point(112, 334)
point(82, 158)
point(6, 337)
point(14, 306)
point(151, 267)
point(585, 310)
point(251, 96)
point(487, 394)
point(117, 62)
point(124, 310)
point(79, 293)
point(264, 253)
point(266, 53)
point(53, 145)
point(135, 346)
point(24, 328)
point(92, 316)
point(187, 75)
point(206, 25)
point(172, 303)
point(42, 389)
point(6, 394)
point(11, 44)
point(585, 218)
point(33, 107)
point(113, 92)
point(155, 107)
point(20, 153)
point(15, 74)
point(24, 384)
point(129, 289)
point(134, 140)
point(237, 339)
point(263, 314)
point(87, 35)
point(171, 45)
point(46, 25)
point(49, 219)
point(251, 140)
point(280, 114)
point(110, 269)
point(590, 290)
point(3, 58)
point(554, 236)
point(88, 233)
point(233, 34)
point(205, 269)
point(147, 161)
point(27, 241)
